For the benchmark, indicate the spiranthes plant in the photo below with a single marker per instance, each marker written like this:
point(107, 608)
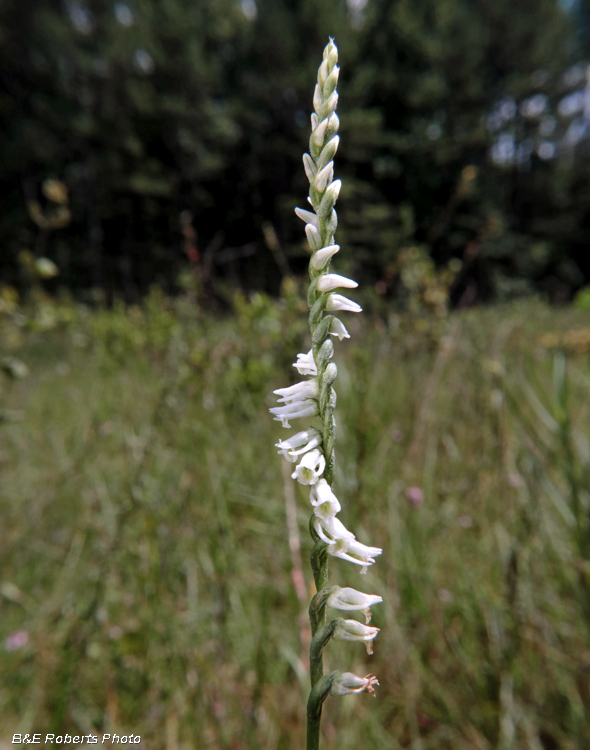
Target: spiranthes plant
point(312, 450)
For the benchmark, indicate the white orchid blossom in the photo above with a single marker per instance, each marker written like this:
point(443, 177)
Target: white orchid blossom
point(354, 552)
point(298, 392)
point(306, 408)
point(337, 329)
point(338, 302)
point(310, 468)
point(314, 450)
point(305, 364)
point(331, 530)
point(291, 448)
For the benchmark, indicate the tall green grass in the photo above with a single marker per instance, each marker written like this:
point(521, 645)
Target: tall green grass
point(144, 539)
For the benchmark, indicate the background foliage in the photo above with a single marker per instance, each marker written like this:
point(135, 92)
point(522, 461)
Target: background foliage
point(143, 137)
point(147, 583)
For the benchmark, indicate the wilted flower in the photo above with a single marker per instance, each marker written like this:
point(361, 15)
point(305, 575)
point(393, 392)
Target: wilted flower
point(348, 599)
point(348, 683)
point(353, 630)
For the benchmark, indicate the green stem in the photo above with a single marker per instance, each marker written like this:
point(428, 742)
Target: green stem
point(318, 695)
point(319, 566)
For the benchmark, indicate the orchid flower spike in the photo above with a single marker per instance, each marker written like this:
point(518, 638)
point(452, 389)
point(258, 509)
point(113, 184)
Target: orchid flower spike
point(313, 449)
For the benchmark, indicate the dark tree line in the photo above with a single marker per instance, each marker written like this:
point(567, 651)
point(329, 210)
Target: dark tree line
point(144, 137)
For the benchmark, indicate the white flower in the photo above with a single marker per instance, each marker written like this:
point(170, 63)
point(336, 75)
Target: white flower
point(298, 392)
point(305, 364)
point(338, 302)
point(322, 256)
point(350, 599)
point(335, 281)
point(353, 630)
point(324, 501)
point(348, 683)
point(310, 468)
point(331, 530)
point(308, 217)
point(349, 549)
point(337, 329)
point(309, 439)
point(307, 408)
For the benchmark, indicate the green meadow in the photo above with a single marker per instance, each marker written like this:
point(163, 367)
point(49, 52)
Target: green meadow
point(154, 549)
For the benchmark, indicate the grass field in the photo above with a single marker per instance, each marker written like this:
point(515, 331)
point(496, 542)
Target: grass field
point(148, 584)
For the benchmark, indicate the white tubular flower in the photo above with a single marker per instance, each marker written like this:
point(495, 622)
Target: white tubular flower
point(321, 493)
point(322, 256)
point(337, 329)
point(307, 408)
point(349, 600)
point(309, 439)
point(310, 468)
point(324, 501)
point(348, 683)
point(334, 281)
point(353, 551)
point(338, 302)
point(332, 531)
point(353, 630)
point(308, 217)
point(298, 392)
point(305, 364)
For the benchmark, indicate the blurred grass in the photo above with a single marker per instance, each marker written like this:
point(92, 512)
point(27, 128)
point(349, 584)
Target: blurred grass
point(144, 540)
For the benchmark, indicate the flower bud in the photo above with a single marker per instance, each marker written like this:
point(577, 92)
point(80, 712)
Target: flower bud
point(323, 256)
point(328, 152)
point(310, 167)
point(324, 176)
point(314, 238)
point(334, 281)
point(308, 217)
